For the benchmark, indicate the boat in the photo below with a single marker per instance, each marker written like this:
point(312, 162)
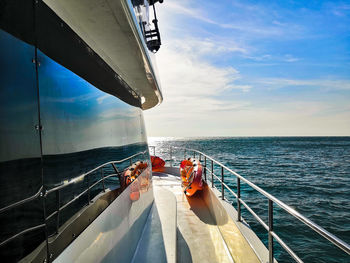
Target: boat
point(76, 77)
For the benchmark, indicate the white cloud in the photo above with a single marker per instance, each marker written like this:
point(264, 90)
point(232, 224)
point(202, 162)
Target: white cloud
point(180, 8)
point(248, 20)
point(193, 87)
point(194, 90)
point(102, 98)
point(187, 74)
point(198, 94)
point(329, 84)
point(276, 59)
point(340, 10)
point(302, 118)
point(206, 46)
point(259, 58)
point(255, 29)
point(290, 58)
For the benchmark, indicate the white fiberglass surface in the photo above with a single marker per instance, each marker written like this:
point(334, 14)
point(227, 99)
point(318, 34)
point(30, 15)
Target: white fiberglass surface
point(114, 235)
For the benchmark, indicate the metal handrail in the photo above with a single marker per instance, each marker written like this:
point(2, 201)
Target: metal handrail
point(78, 196)
point(82, 176)
point(23, 201)
point(58, 188)
point(22, 233)
point(271, 199)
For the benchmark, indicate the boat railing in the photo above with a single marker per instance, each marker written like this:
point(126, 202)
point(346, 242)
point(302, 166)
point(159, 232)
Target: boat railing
point(208, 164)
point(44, 193)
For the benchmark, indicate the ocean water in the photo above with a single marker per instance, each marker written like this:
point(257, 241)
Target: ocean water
point(311, 174)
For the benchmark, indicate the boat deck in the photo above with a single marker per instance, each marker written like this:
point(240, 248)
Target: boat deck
point(198, 236)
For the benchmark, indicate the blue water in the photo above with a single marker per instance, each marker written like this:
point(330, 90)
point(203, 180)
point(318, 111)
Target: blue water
point(311, 174)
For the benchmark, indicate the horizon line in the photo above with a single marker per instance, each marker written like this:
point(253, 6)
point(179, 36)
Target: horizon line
point(234, 136)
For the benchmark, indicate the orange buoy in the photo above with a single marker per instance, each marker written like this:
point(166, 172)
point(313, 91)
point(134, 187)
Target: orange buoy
point(130, 176)
point(191, 176)
point(157, 163)
point(135, 191)
point(133, 172)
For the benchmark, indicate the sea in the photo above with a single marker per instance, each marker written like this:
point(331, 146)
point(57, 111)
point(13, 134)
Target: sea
point(310, 174)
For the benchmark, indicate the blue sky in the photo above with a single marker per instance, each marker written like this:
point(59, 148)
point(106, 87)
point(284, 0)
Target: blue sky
point(253, 68)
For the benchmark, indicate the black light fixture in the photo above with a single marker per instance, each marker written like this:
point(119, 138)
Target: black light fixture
point(152, 36)
point(152, 2)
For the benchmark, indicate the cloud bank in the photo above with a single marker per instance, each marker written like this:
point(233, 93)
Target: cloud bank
point(211, 86)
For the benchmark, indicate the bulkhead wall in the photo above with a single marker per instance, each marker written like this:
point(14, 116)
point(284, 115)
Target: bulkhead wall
point(54, 126)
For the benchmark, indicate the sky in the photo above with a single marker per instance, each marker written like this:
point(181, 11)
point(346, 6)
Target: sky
point(253, 68)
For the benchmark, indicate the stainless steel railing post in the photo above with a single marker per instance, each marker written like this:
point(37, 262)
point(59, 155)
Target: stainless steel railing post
point(88, 179)
point(185, 154)
point(118, 173)
point(103, 180)
point(239, 217)
point(58, 210)
point(222, 184)
point(205, 168)
point(270, 231)
point(43, 195)
point(212, 174)
point(171, 157)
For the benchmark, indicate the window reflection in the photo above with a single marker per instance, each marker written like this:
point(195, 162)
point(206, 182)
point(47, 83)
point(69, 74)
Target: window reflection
point(82, 128)
point(20, 159)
